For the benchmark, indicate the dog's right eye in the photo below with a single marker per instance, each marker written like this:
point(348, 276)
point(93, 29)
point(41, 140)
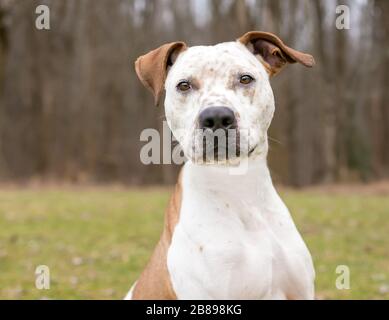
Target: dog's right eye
point(246, 79)
point(183, 86)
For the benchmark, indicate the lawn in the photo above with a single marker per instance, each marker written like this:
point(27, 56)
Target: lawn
point(97, 240)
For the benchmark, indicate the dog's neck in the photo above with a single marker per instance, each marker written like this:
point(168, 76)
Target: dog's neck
point(251, 177)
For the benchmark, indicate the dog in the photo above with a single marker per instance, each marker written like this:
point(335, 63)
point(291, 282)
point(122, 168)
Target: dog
point(225, 236)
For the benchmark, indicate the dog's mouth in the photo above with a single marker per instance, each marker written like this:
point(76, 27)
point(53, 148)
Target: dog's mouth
point(222, 148)
point(223, 152)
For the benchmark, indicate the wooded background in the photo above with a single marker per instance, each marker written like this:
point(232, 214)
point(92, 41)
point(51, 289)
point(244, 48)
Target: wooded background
point(72, 109)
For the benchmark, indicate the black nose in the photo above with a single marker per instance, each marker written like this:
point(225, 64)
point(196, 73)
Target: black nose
point(217, 118)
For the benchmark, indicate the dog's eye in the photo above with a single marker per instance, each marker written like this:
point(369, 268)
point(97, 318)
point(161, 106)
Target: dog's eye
point(183, 86)
point(246, 79)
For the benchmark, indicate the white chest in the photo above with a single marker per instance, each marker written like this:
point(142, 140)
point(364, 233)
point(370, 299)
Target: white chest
point(236, 241)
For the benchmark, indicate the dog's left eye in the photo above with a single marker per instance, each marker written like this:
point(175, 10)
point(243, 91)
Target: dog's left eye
point(183, 85)
point(246, 79)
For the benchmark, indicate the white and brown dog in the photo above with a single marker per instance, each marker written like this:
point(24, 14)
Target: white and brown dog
point(226, 236)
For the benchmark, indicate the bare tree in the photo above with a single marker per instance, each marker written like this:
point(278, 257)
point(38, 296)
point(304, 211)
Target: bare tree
point(71, 107)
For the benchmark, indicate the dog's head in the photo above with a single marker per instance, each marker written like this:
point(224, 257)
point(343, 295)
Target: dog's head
point(220, 91)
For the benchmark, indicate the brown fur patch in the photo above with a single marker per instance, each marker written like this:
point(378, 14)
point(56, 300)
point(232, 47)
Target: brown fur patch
point(249, 92)
point(154, 283)
point(151, 68)
point(274, 52)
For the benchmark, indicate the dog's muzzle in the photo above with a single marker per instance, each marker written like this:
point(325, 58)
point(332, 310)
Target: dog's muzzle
point(219, 134)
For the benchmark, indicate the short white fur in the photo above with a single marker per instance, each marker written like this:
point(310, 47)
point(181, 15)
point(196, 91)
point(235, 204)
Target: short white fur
point(215, 67)
point(236, 240)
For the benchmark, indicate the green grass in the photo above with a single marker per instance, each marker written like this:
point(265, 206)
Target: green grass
point(97, 240)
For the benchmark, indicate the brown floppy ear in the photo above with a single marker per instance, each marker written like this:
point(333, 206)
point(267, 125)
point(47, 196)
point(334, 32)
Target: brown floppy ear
point(152, 67)
point(274, 53)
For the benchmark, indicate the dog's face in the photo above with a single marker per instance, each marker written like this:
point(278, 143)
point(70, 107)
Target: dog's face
point(220, 91)
point(224, 81)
